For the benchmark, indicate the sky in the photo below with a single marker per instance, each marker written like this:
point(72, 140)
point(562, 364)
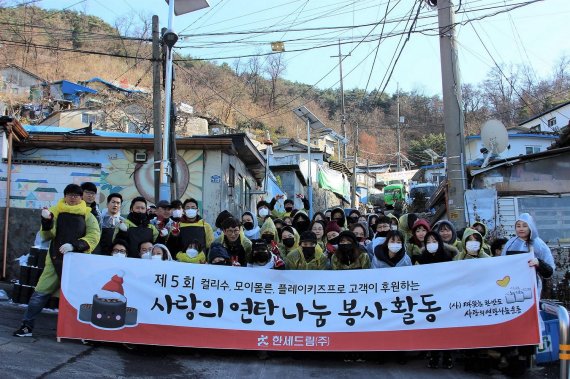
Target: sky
point(534, 35)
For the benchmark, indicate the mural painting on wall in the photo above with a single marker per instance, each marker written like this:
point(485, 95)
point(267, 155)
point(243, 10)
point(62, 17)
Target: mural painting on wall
point(131, 179)
point(35, 186)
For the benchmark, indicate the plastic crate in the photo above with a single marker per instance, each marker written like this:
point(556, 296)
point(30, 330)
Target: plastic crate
point(549, 350)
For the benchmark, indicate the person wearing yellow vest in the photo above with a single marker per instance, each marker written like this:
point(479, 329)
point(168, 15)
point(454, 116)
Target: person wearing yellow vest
point(70, 227)
point(191, 227)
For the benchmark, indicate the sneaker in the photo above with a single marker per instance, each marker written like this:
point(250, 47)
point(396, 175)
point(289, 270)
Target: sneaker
point(24, 331)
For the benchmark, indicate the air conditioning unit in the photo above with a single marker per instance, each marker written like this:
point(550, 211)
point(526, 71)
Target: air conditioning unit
point(140, 156)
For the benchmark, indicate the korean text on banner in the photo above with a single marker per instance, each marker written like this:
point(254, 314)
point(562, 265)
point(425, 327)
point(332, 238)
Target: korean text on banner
point(454, 305)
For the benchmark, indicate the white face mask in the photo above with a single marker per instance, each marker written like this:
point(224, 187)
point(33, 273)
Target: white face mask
point(394, 227)
point(146, 255)
point(120, 255)
point(157, 257)
point(191, 213)
point(192, 253)
point(263, 212)
point(432, 247)
point(473, 246)
point(177, 213)
point(394, 247)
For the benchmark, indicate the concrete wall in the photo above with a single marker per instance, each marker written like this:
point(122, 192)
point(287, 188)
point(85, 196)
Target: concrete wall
point(518, 144)
point(23, 226)
point(562, 116)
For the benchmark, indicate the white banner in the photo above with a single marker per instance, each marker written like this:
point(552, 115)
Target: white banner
point(125, 300)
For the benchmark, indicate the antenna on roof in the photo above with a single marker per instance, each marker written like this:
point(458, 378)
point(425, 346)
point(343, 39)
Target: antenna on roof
point(495, 138)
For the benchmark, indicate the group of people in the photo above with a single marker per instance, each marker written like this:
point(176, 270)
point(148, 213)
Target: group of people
point(267, 238)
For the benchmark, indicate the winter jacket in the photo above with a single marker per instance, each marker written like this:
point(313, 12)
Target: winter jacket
point(444, 253)
point(486, 246)
point(136, 234)
point(535, 245)
point(463, 254)
point(454, 241)
point(197, 230)
point(74, 224)
point(362, 262)
point(286, 250)
point(382, 259)
point(296, 260)
point(241, 251)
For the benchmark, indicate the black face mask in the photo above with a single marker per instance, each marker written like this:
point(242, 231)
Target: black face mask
point(268, 238)
point(288, 209)
point(302, 226)
point(309, 252)
point(138, 218)
point(353, 220)
point(248, 225)
point(289, 242)
point(334, 241)
point(339, 221)
point(345, 248)
point(261, 256)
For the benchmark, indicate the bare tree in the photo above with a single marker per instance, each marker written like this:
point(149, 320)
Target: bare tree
point(275, 68)
point(254, 78)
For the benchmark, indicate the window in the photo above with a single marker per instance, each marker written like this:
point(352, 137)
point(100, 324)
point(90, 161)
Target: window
point(535, 128)
point(532, 149)
point(239, 189)
point(552, 122)
point(231, 177)
point(87, 118)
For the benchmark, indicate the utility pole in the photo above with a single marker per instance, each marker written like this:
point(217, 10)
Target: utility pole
point(399, 162)
point(453, 117)
point(156, 64)
point(343, 113)
point(353, 193)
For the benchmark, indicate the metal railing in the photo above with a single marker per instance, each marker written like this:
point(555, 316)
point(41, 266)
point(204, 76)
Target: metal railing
point(563, 331)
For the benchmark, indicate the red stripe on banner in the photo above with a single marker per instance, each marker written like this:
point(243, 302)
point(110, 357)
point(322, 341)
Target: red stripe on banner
point(519, 331)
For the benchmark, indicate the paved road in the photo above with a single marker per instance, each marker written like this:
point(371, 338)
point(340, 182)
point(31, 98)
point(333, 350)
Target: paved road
point(42, 357)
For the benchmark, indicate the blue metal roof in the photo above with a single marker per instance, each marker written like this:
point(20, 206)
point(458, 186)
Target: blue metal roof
point(522, 135)
point(58, 130)
point(70, 88)
point(113, 86)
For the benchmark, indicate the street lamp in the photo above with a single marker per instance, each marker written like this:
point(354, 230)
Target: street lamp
point(175, 7)
point(312, 122)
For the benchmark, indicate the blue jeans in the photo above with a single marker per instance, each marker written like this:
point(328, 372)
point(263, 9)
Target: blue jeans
point(37, 302)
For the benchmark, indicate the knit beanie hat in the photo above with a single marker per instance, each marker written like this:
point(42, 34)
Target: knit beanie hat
point(332, 226)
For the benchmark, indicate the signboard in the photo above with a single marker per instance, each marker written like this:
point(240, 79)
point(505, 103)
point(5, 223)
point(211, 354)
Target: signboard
point(454, 305)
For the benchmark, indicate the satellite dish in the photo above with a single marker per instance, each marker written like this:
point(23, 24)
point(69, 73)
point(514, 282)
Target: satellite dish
point(494, 137)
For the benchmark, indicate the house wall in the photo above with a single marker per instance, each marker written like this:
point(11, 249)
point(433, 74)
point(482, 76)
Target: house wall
point(70, 119)
point(561, 117)
point(17, 82)
point(434, 172)
point(518, 145)
point(236, 199)
point(120, 173)
point(301, 154)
